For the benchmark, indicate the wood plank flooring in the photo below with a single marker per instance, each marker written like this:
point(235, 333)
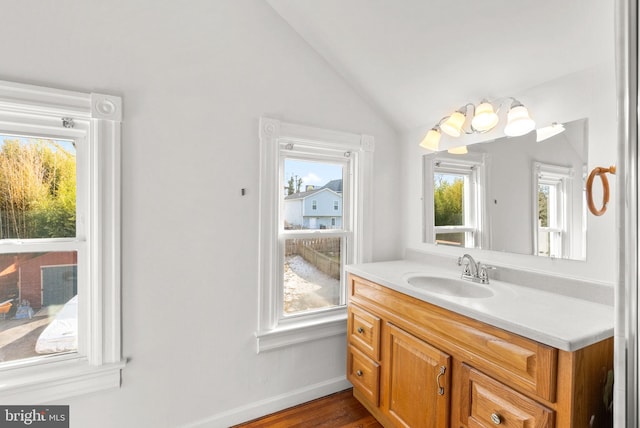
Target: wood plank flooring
point(339, 410)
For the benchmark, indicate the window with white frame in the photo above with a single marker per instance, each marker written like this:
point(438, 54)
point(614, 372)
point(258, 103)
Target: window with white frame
point(453, 186)
point(304, 245)
point(551, 201)
point(59, 243)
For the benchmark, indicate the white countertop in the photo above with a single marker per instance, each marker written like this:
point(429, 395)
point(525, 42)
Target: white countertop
point(564, 322)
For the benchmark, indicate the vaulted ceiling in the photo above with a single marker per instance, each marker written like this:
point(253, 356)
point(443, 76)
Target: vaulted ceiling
point(417, 60)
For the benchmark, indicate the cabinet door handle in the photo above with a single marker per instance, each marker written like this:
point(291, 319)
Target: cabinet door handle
point(360, 330)
point(440, 388)
point(496, 419)
point(358, 372)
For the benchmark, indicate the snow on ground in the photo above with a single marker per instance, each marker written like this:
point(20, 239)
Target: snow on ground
point(306, 287)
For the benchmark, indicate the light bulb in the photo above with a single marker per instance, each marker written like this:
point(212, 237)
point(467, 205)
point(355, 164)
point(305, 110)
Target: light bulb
point(431, 140)
point(462, 150)
point(453, 125)
point(518, 121)
point(485, 118)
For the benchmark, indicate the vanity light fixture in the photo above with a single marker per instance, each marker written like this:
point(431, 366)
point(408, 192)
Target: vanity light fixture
point(485, 118)
point(549, 131)
point(481, 118)
point(461, 150)
point(432, 139)
point(518, 121)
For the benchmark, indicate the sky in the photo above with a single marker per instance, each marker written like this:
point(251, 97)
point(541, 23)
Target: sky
point(312, 172)
point(65, 144)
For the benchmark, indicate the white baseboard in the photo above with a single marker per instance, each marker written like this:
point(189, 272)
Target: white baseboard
point(270, 405)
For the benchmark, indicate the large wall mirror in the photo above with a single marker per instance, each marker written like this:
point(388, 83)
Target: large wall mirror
point(522, 195)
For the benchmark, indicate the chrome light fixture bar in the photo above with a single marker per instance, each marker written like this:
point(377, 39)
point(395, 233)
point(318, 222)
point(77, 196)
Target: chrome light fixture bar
point(480, 119)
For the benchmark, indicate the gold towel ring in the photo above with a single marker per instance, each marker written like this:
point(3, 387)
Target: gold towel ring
point(599, 171)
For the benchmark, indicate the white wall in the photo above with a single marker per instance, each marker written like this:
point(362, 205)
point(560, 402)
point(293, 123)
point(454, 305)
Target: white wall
point(589, 94)
point(195, 77)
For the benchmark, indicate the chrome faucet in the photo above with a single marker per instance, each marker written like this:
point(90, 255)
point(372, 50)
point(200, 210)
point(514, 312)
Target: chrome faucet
point(470, 269)
point(474, 271)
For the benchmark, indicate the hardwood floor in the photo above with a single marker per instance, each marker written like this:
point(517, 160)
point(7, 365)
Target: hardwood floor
point(339, 410)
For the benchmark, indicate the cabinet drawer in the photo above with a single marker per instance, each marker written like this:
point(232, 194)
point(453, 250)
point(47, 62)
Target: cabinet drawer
point(364, 374)
point(485, 402)
point(364, 331)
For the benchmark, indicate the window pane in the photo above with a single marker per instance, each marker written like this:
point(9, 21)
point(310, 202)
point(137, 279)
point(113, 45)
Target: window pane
point(311, 274)
point(543, 205)
point(37, 188)
point(448, 197)
point(457, 239)
point(38, 304)
point(544, 243)
point(312, 195)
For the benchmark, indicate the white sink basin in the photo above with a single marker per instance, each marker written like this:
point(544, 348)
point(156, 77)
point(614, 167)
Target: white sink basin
point(448, 286)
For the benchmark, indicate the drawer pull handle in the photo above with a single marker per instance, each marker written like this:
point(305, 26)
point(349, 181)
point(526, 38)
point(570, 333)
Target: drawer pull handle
point(360, 330)
point(440, 388)
point(358, 372)
point(496, 419)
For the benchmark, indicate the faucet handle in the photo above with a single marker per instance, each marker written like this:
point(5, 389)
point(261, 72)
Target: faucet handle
point(483, 274)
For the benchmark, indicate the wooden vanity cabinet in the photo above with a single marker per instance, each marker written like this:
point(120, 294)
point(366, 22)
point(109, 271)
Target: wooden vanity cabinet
point(417, 365)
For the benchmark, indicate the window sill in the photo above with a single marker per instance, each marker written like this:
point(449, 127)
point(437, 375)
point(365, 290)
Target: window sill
point(300, 332)
point(57, 380)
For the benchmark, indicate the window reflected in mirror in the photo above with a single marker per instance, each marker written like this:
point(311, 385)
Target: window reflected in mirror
point(454, 212)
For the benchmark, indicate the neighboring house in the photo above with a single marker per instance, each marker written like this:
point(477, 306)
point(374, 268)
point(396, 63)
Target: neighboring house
point(319, 208)
point(43, 280)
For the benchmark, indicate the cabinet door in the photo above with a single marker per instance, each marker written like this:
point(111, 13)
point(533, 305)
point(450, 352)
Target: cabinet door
point(417, 392)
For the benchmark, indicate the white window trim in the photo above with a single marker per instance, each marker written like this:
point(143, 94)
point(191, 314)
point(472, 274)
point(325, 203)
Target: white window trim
point(271, 333)
point(97, 364)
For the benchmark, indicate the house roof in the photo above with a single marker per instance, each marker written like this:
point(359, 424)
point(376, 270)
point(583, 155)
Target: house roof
point(302, 195)
point(334, 186)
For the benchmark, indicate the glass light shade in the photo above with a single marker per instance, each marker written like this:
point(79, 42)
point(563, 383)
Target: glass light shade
point(453, 125)
point(518, 122)
point(462, 150)
point(485, 118)
point(431, 140)
point(549, 131)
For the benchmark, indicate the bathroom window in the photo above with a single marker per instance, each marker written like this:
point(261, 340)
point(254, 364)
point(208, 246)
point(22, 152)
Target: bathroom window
point(315, 251)
point(59, 243)
point(551, 196)
point(38, 204)
point(453, 218)
point(304, 243)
